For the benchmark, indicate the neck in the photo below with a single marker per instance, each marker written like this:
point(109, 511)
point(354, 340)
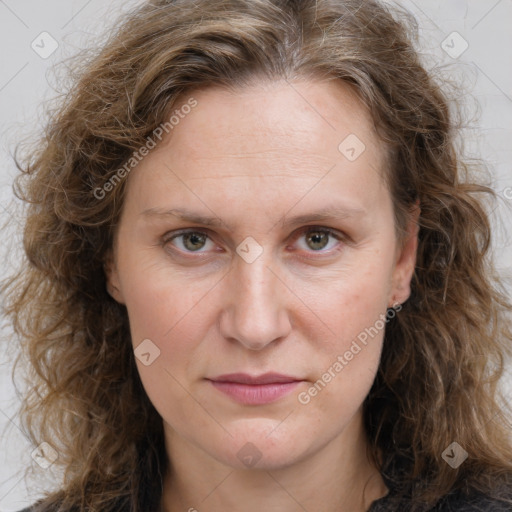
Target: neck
point(339, 476)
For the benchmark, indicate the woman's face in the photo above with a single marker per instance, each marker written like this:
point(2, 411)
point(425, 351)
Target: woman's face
point(250, 291)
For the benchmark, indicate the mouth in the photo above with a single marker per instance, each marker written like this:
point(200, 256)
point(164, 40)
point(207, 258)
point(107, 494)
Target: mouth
point(255, 390)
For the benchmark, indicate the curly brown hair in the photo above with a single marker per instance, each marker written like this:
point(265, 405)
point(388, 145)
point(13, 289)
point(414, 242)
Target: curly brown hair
point(443, 355)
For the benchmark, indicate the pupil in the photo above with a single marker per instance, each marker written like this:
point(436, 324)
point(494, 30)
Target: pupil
point(195, 238)
point(316, 238)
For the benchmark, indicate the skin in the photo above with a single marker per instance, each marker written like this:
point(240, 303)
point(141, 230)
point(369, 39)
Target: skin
point(252, 158)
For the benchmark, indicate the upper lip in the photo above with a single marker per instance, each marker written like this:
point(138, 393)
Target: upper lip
point(244, 378)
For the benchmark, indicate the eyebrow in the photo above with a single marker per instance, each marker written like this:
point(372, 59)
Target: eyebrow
point(331, 212)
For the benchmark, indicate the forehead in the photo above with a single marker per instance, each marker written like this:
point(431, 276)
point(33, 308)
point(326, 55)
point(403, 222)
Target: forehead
point(279, 122)
point(268, 143)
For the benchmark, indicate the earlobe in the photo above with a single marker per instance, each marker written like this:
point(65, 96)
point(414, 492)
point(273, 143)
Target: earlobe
point(406, 259)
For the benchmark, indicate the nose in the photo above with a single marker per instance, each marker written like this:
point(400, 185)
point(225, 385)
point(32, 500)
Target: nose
point(255, 312)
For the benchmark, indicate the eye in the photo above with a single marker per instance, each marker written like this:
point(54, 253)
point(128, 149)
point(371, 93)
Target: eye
point(316, 239)
point(191, 241)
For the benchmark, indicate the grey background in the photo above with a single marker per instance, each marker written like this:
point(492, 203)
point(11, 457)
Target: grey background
point(483, 72)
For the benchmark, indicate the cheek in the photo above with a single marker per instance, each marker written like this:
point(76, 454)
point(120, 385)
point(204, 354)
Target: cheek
point(347, 303)
point(159, 300)
point(354, 309)
point(169, 311)
point(175, 322)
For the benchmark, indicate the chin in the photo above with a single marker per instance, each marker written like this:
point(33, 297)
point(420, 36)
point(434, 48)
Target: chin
point(262, 446)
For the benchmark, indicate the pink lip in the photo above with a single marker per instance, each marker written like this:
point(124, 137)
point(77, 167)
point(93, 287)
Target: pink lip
point(259, 390)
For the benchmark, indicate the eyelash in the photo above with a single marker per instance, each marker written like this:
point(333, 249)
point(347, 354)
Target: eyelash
point(305, 231)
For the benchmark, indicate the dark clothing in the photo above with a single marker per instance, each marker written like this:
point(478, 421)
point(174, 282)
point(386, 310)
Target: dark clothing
point(452, 503)
point(399, 497)
point(399, 500)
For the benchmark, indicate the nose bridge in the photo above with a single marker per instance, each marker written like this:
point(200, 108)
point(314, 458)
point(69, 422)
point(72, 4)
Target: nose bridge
point(256, 314)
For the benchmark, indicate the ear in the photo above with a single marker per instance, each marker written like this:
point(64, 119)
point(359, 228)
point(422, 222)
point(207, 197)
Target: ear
point(112, 278)
point(405, 260)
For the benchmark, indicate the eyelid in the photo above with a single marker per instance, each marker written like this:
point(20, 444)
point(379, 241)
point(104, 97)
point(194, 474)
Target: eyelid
point(173, 234)
point(333, 233)
point(338, 235)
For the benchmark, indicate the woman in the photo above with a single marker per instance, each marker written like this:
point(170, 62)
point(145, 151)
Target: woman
point(257, 273)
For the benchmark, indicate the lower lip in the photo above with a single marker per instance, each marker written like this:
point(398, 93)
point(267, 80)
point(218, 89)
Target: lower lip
point(256, 394)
